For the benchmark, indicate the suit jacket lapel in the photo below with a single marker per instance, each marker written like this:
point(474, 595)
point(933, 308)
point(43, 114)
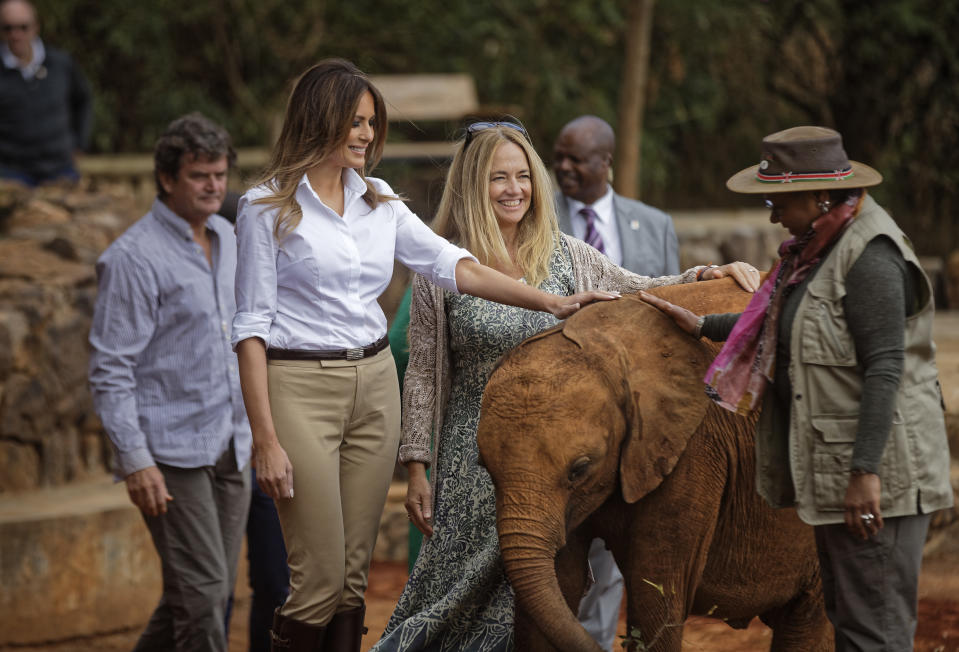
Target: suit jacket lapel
point(562, 213)
point(627, 236)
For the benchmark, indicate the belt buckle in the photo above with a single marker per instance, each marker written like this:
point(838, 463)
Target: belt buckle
point(355, 354)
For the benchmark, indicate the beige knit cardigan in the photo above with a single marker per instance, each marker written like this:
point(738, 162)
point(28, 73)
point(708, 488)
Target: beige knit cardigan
point(426, 386)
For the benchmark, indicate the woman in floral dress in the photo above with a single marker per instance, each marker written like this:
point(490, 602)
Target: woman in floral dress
point(497, 204)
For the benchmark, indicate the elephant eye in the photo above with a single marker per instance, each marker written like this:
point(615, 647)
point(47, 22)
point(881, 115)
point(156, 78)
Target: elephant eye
point(578, 468)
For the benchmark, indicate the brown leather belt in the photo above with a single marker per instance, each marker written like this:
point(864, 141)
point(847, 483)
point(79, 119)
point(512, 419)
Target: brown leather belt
point(342, 354)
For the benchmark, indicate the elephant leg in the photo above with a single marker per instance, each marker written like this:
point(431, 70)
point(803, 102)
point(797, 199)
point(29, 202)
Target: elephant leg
point(654, 619)
point(801, 624)
point(670, 535)
point(572, 574)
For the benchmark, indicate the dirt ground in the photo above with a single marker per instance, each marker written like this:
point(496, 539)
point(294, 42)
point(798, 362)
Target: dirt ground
point(938, 619)
point(938, 629)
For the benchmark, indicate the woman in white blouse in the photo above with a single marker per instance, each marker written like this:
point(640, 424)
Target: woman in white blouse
point(316, 243)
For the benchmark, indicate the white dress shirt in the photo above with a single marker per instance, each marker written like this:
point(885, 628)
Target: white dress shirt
point(317, 290)
point(606, 224)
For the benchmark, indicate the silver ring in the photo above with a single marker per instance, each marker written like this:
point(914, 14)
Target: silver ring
point(752, 269)
point(867, 517)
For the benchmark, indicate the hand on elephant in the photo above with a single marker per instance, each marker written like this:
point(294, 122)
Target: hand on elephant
point(419, 499)
point(563, 307)
point(685, 319)
point(743, 273)
point(862, 505)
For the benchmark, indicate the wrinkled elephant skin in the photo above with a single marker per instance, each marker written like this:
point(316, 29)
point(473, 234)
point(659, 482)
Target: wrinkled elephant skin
point(600, 428)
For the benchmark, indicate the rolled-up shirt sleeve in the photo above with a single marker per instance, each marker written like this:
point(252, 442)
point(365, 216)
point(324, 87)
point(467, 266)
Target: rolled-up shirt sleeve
point(124, 322)
point(424, 252)
point(255, 272)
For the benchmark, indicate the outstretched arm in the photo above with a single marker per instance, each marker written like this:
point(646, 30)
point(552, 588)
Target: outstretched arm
point(598, 271)
point(487, 283)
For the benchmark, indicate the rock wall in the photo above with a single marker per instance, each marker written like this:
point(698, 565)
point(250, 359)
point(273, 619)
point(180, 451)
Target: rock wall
point(49, 242)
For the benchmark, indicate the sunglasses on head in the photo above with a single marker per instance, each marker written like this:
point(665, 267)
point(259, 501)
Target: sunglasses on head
point(477, 127)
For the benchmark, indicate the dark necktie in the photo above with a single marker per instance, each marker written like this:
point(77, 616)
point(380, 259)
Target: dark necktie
point(591, 236)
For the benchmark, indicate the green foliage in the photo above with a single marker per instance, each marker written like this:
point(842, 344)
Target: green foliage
point(722, 75)
point(633, 641)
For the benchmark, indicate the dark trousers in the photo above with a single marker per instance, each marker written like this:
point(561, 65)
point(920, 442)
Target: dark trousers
point(871, 587)
point(198, 540)
point(269, 573)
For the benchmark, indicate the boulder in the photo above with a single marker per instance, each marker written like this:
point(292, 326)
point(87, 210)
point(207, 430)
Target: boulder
point(50, 239)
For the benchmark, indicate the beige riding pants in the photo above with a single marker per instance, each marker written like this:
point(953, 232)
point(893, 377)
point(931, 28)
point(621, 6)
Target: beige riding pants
point(339, 423)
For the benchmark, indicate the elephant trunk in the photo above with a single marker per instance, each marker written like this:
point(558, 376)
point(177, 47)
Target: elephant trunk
point(529, 560)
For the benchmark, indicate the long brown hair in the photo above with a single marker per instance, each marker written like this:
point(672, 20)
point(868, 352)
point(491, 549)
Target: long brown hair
point(318, 119)
point(465, 214)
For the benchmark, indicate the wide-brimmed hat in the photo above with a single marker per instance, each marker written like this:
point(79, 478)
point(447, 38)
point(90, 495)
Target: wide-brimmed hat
point(803, 158)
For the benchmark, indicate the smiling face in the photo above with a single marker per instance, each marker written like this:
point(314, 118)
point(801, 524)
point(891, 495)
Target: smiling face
point(510, 185)
point(198, 189)
point(795, 211)
point(352, 154)
point(580, 163)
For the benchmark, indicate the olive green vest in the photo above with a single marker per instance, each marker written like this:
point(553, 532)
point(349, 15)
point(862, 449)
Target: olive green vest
point(827, 384)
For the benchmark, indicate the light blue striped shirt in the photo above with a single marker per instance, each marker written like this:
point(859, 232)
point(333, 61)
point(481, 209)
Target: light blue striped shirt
point(164, 378)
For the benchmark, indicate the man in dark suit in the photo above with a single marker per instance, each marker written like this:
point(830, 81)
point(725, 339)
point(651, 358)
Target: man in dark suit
point(633, 235)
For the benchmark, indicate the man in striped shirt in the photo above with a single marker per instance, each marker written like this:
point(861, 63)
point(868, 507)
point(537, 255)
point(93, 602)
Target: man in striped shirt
point(166, 386)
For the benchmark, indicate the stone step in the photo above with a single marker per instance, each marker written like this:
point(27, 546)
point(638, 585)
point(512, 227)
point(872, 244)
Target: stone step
point(77, 561)
point(74, 561)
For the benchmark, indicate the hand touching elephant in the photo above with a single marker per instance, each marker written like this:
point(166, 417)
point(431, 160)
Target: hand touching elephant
point(600, 428)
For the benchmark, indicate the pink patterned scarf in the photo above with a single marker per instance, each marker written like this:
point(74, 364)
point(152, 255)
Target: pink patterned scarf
point(739, 374)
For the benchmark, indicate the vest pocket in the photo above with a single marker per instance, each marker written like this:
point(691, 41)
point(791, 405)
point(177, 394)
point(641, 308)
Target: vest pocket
point(832, 456)
point(825, 338)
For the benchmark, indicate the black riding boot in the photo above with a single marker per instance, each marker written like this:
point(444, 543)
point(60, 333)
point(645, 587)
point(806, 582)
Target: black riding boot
point(345, 632)
point(288, 635)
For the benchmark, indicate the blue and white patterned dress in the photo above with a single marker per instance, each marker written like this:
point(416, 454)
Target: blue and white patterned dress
point(458, 598)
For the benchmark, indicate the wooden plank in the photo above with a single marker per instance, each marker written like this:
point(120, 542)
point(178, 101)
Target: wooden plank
point(115, 164)
point(248, 158)
point(130, 165)
point(427, 97)
point(425, 150)
point(408, 97)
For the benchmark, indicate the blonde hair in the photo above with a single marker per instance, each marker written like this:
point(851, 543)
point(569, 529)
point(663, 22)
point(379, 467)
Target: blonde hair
point(318, 119)
point(465, 214)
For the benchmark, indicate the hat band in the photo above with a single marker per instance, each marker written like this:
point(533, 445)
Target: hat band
point(789, 177)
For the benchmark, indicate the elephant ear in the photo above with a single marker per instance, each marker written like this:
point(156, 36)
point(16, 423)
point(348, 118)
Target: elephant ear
point(662, 371)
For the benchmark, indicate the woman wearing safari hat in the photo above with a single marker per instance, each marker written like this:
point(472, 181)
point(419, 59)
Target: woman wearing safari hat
point(836, 348)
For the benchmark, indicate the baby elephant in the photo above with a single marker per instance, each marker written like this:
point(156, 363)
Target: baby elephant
point(600, 428)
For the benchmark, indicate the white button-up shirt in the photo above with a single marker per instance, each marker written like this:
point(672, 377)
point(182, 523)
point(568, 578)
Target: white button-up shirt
point(606, 224)
point(317, 289)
